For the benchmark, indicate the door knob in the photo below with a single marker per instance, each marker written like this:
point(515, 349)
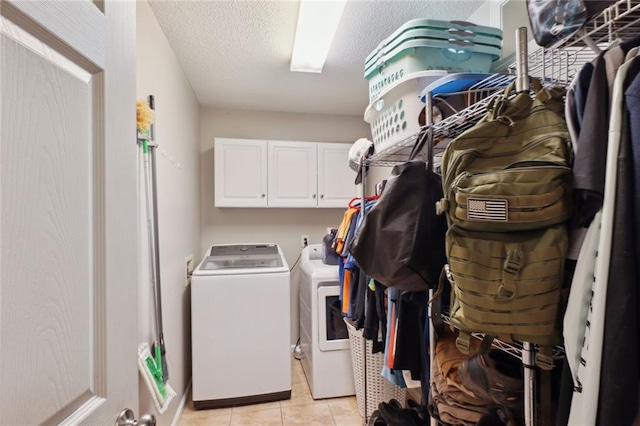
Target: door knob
point(264, 195)
point(147, 420)
point(314, 195)
point(322, 196)
point(128, 418)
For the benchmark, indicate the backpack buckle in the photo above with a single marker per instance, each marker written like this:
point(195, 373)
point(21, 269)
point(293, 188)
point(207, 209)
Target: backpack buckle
point(442, 206)
point(513, 262)
point(543, 95)
point(449, 274)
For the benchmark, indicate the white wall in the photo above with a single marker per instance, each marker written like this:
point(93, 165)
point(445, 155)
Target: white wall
point(489, 13)
point(375, 175)
point(508, 15)
point(274, 225)
point(178, 162)
point(514, 16)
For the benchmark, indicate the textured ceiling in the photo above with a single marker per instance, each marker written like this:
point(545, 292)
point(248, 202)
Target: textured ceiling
point(236, 54)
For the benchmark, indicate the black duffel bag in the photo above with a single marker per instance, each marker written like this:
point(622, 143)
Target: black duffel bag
point(401, 240)
point(554, 21)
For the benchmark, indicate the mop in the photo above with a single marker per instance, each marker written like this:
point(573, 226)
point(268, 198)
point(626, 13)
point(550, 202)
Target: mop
point(152, 361)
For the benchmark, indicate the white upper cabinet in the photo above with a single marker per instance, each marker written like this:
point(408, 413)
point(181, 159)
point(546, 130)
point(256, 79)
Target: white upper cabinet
point(335, 179)
point(292, 174)
point(240, 173)
point(260, 173)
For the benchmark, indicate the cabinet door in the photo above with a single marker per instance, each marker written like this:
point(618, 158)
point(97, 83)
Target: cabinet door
point(293, 178)
point(240, 173)
point(335, 179)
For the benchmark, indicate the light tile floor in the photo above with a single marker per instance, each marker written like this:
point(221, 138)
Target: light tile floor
point(301, 409)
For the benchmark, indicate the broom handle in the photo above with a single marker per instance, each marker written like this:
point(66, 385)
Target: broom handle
point(151, 234)
point(156, 251)
point(156, 241)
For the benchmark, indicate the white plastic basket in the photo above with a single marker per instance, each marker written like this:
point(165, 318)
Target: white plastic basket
point(371, 387)
point(394, 115)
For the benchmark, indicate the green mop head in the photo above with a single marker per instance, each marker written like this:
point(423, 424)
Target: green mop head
point(155, 367)
point(151, 370)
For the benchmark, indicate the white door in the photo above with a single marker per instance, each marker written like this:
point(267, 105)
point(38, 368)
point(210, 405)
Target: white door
point(336, 185)
point(240, 171)
point(68, 229)
point(293, 180)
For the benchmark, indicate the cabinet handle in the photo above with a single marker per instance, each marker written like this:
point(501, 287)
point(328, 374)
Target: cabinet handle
point(322, 196)
point(314, 196)
point(263, 195)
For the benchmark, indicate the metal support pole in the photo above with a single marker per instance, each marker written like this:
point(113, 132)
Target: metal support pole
point(528, 360)
point(522, 69)
point(364, 185)
point(363, 212)
point(428, 110)
point(432, 347)
point(528, 355)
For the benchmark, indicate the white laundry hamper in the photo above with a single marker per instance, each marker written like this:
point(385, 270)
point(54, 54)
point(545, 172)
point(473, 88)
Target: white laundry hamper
point(394, 115)
point(371, 387)
point(426, 44)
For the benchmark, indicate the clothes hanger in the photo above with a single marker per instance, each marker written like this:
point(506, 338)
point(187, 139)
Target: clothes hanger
point(358, 199)
point(582, 32)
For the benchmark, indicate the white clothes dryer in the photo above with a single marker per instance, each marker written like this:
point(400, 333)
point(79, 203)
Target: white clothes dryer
point(240, 326)
point(324, 340)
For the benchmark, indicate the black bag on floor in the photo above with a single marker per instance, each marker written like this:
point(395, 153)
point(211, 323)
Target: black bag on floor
point(401, 240)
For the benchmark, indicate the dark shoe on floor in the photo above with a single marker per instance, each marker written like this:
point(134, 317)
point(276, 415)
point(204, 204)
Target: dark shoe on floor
point(490, 419)
point(421, 410)
point(376, 419)
point(395, 416)
point(395, 403)
point(499, 416)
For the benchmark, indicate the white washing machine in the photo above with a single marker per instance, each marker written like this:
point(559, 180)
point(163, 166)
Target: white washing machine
point(326, 354)
point(241, 326)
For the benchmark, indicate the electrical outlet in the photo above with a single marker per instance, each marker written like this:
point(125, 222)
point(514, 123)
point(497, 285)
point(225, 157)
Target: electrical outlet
point(304, 240)
point(188, 269)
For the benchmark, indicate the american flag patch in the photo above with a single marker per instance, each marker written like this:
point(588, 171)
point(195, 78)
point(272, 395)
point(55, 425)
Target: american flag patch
point(487, 209)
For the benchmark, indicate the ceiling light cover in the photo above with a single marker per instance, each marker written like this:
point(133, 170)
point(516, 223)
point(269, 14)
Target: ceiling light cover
point(317, 24)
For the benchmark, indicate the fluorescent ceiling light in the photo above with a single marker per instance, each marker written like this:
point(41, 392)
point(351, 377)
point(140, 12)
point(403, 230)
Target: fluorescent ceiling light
point(317, 24)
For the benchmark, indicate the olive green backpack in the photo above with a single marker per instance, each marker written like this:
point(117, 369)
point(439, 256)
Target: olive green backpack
point(506, 185)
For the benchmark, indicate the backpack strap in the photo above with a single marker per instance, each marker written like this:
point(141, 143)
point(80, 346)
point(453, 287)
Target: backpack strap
point(463, 343)
point(545, 398)
point(485, 346)
point(497, 105)
point(436, 303)
point(497, 109)
point(419, 145)
point(544, 357)
point(551, 97)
